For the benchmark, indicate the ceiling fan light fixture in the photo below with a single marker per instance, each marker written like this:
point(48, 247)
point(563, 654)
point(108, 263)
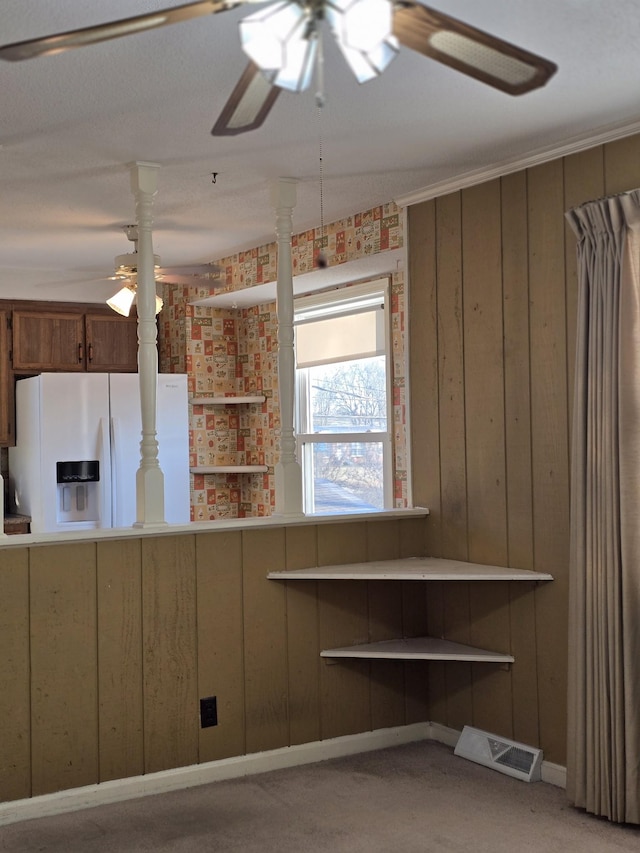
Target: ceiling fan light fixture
point(296, 73)
point(360, 24)
point(366, 66)
point(364, 32)
point(266, 35)
point(122, 301)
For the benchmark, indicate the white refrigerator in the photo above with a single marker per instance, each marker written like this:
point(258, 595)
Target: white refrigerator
point(78, 449)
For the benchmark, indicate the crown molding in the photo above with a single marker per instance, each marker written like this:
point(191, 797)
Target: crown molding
point(573, 145)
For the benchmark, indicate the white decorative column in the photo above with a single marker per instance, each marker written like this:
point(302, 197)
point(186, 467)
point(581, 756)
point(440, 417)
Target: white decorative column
point(288, 473)
point(149, 477)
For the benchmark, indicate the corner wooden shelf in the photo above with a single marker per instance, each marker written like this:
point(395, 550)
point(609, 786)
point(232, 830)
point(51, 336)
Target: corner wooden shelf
point(414, 569)
point(417, 648)
point(226, 401)
point(229, 469)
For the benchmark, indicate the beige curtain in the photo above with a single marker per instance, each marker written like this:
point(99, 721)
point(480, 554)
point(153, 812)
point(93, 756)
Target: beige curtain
point(603, 762)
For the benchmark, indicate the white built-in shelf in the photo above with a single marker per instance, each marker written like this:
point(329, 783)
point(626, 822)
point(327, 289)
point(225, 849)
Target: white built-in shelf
point(412, 568)
point(367, 267)
point(228, 469)
point(226, 401)
point(415, 569)
point(418, 648)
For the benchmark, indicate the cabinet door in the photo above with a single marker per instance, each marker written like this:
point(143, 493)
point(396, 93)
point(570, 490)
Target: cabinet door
point(112, 343)
point(48, 341)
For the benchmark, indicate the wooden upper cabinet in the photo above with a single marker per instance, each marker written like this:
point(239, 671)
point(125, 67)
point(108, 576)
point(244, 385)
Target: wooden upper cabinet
point(112, 343)
point(48, 341)
point(59, 341)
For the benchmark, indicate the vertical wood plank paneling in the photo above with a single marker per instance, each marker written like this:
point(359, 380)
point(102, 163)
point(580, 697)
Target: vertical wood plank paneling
point(414, 621)
point(64, 688)
point(265, 640)
point(387, 694)
point(485, 439)
point(453, 468)
point(383, 539)
point(221, 641)
point(342, 543)
point(621, 165)
point(343, 620)
point(303, 641)
point(456, 627)
point(516, 369)
point(523, 647)
point(169, 644)
point(425, 426)
point(344, 686)
point(412, 534)
point(517, 397)
point(484, 374)
point(453, 477)
point(422, 311)
point(492, 684)
point(119, 587)
point(549, 444)
point(15, 740)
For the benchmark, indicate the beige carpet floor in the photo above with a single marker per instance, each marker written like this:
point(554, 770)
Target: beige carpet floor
point(411, 799)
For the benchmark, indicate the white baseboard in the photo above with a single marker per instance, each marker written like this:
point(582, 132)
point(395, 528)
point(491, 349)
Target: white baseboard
point(212, 771)
point(233, 768)
point(554, 774)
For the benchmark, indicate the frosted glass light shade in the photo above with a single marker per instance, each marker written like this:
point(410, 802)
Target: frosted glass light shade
point(364, 32)
point(297, 71)
point(265, 34)
point(122, 301)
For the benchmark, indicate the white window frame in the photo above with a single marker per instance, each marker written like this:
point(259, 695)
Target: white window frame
point(352, 298)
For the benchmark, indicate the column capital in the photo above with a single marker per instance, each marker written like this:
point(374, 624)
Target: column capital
point(144, 177)
point(284, 193)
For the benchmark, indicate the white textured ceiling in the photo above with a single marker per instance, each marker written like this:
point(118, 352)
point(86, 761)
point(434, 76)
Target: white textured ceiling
point(70, 125)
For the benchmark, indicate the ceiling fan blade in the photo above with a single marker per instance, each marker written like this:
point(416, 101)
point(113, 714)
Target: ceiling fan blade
point(194, 270)
point(248, 105)
point(469, 50)
point(190, 281)
point(115, 29)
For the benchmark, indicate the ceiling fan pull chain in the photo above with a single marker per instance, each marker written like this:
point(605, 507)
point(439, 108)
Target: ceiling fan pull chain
point(321, 259)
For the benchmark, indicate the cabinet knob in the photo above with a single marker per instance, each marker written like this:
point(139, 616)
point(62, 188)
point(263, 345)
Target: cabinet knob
point(90, 353)
point(79, 352)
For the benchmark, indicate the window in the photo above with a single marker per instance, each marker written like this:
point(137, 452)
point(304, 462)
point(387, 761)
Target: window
point(343, 400)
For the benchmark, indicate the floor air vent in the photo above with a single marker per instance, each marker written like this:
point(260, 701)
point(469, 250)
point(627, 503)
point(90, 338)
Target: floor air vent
point(507, 756)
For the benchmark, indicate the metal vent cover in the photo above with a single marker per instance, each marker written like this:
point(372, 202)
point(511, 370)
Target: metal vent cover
point(507, 756)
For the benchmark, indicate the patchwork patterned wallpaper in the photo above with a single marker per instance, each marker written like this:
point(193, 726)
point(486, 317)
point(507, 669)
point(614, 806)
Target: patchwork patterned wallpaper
point(234, 352)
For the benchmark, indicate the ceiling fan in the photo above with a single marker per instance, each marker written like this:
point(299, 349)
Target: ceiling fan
point(126, 273)
point(282, 39)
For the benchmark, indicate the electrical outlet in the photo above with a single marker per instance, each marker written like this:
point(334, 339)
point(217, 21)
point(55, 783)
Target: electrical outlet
point(208, 712)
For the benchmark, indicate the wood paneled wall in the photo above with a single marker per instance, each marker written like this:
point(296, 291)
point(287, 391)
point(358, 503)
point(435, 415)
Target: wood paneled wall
point(492, 308)
point(107, 648)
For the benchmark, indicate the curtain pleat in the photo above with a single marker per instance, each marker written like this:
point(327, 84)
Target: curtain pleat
point(604, 605)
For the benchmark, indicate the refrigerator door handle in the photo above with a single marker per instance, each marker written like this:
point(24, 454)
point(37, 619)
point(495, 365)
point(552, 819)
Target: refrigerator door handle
point(105, 509)
point(116, 482)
